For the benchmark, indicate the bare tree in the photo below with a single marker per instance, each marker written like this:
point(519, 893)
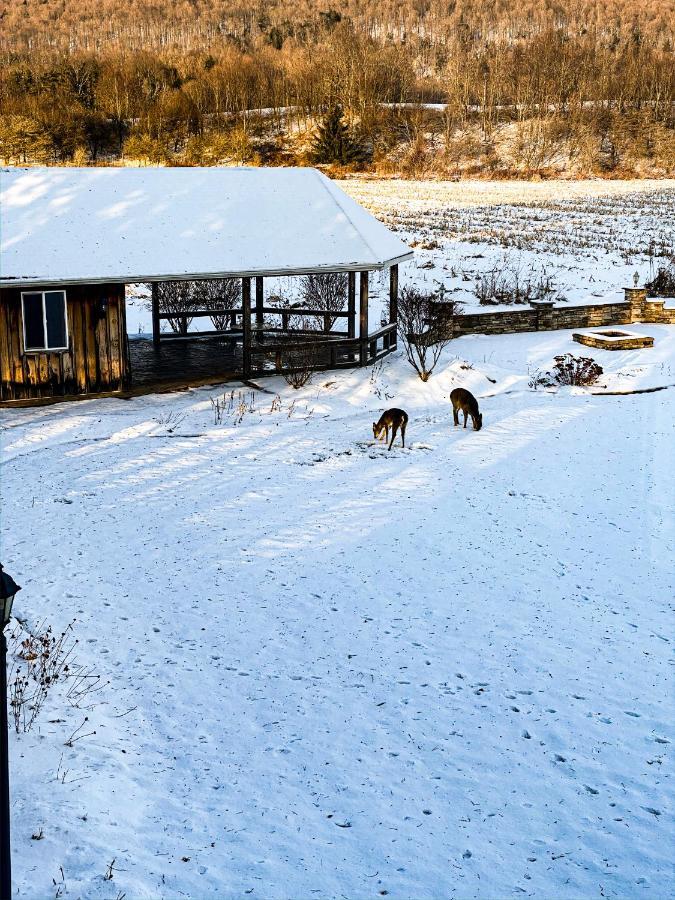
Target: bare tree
point(327, 292)
point(422, 329)
point(177, 299)
point(181, 298)
point(219, 293)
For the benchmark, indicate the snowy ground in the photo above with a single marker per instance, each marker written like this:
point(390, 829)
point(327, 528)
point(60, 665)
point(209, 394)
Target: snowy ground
point(588, 237)
point(337, 671)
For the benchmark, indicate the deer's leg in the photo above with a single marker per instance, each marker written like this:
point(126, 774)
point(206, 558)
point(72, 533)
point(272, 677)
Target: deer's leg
point(466, 416)
point(403, 433)
point(455, 415)
point(394, 429)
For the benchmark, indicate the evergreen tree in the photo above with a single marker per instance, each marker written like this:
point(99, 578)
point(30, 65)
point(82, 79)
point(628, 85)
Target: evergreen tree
point(334, 142)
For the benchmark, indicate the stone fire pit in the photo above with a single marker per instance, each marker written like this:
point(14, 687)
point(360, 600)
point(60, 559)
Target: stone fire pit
point(613, 339)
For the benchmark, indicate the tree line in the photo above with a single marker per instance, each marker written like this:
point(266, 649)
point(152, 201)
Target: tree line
point(458, 95)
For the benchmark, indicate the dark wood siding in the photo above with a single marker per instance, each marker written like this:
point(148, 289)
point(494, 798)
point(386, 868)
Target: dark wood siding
point(97, 358)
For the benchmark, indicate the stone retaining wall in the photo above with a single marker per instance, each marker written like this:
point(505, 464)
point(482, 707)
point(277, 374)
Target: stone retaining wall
point(636, 307)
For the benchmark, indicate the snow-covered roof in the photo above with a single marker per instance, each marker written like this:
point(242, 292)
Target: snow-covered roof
point(70, 225)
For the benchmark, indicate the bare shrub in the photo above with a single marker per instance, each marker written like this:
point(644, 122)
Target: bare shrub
point(663, 283)
point(232, 405)
point(506, 282)
point(180, 299)
point(177, 299)
point(41, 660)
point(422, 328)
point(216, 293)
point(580, 371)
point(299, 363)
point(327, 292)
point(576, 370)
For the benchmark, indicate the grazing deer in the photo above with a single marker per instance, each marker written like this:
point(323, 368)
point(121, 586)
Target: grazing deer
point(394, 419)
point(465, 400)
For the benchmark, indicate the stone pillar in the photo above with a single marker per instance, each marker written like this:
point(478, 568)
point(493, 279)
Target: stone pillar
point(636, 298)
point(544, 310)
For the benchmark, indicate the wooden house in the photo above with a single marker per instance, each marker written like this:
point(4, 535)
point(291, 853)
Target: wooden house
point(72, 239)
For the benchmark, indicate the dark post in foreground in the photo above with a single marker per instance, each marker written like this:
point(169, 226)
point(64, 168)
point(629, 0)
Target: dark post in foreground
point(155, 315)
point(8, 588)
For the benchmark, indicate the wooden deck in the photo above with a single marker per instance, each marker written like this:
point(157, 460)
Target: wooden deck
point(184, 361)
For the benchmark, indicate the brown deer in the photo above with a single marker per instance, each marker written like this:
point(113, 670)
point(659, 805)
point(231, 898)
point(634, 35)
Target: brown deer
point(466, 402)
point(394, 419)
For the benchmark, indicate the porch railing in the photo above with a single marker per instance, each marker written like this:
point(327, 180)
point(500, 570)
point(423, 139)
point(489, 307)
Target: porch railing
point(281, 357)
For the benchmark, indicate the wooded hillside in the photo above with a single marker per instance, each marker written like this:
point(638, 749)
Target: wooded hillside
point(523, 87)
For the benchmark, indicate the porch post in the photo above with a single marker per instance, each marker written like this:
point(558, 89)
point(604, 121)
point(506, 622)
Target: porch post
point(393, 303)
point(259, 318)
point(246, 324)
point(351, 305)
point(155, 315)
point(363, 318)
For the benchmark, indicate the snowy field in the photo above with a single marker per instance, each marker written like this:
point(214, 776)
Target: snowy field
point(328, 670)
point(588, 237)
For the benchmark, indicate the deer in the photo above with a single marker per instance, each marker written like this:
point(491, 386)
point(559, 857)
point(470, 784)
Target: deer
point(466, 402)
point(394, 419)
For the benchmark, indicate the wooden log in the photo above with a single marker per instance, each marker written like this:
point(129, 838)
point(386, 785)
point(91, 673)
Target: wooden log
point(363, 318)
point(155, 315)
point(246, 329)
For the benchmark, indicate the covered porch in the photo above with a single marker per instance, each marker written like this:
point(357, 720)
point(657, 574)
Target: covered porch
point(261, 338)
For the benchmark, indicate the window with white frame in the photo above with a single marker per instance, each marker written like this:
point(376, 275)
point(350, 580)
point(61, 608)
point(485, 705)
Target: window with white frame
point(45, 323)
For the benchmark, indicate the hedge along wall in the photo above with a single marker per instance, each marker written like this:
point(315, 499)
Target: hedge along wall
point(634, 308)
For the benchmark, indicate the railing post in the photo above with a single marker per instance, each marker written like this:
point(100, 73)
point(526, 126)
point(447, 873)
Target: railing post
point(246, 312)
point(259, 317)
point(363, 318)
point(155, 315)
point(351, 305)
point(393, 303)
